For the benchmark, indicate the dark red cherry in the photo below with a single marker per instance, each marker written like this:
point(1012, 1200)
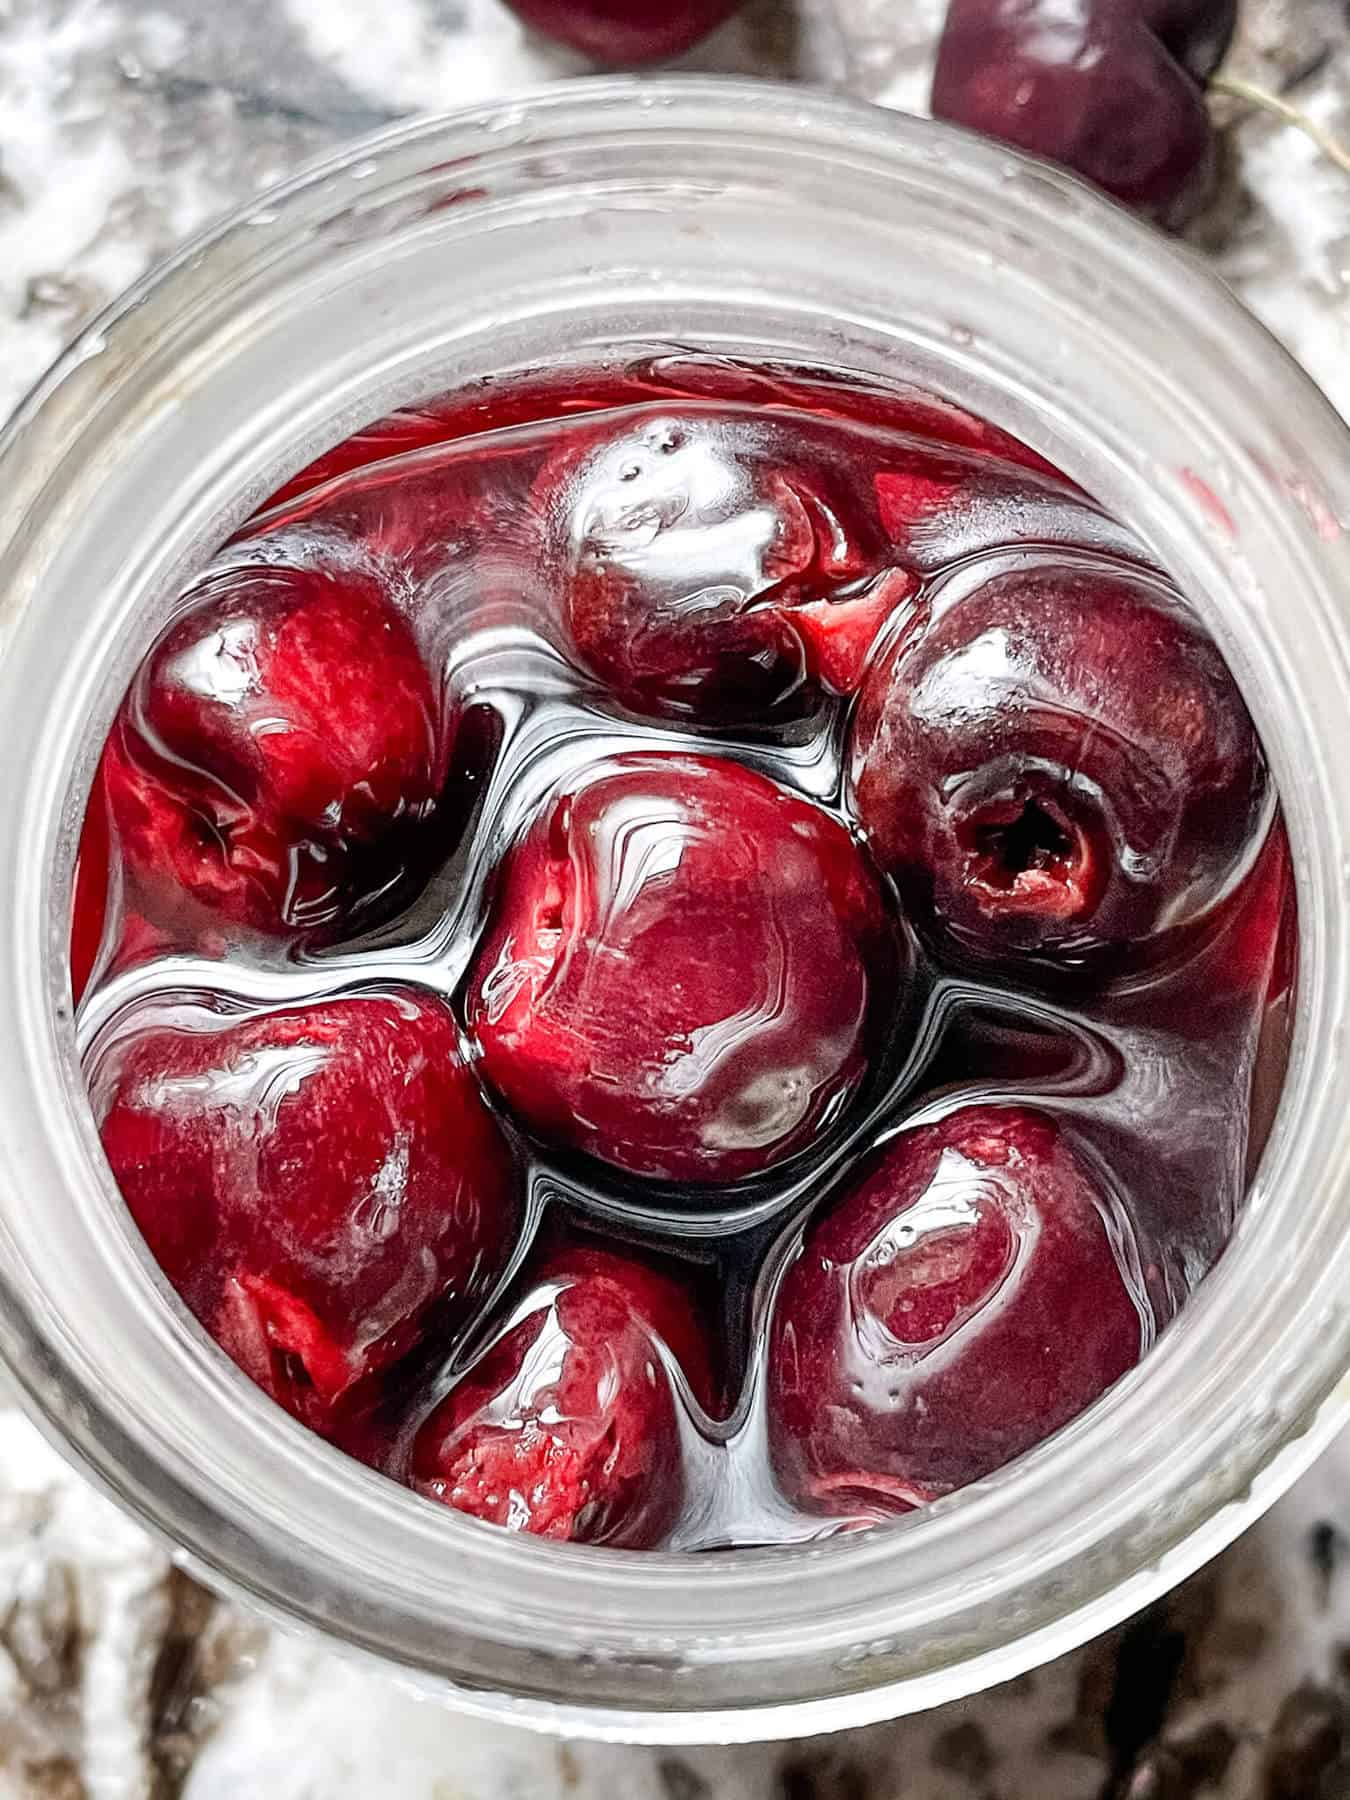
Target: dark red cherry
point(1258, 950)
point(1056, 765)
point(686, 972)
point(1109, 88)
point(276, 756)
point(936, 507)
point(313, 1182)
point(714, 562)
point(956, 1306)
point(89, 907)
point(567, 1426)
point(1196, 32)
point(1224, 973)
point(625, 33)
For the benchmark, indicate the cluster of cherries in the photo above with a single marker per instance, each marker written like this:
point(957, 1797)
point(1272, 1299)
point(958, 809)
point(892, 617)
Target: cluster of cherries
point(701, 745)
point(1112, 89)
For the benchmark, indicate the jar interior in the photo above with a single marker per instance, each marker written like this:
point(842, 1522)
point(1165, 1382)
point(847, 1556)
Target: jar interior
point(806, 232)
point(449, 511)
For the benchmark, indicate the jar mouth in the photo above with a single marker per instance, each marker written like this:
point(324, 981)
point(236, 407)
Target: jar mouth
point(767, 223)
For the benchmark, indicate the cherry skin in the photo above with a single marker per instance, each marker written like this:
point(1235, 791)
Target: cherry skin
point(89, 907)
point(1196, 32)
point(276, 756)
point(687, 970)
point(625, 33)
point(956, 1306)
point(937, 507)
point(714, 564)
point(1109, 88)
point(567, 1426)
point(313, 1182)
point(1057, 768)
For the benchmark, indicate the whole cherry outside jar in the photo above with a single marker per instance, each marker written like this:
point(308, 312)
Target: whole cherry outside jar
point(770, 225)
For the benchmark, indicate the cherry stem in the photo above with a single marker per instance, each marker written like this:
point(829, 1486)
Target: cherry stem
point(1238, 89)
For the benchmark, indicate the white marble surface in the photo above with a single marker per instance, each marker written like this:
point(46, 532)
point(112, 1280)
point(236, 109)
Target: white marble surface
point(123, 126)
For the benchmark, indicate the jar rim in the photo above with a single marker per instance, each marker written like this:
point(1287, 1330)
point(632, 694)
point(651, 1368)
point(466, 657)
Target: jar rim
point(184, 405)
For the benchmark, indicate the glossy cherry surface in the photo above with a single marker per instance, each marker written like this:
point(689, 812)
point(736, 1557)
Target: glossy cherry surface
point(277, 758)
point(958, 1304)
point(567, 1426)
point(686, 972)
point(1109, 88)
point(313, 1182)
point(1056, 766)
point(89, 907)
point(716, 564)
point(625, 33)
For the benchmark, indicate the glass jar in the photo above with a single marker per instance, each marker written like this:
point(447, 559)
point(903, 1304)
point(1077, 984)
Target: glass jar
point(761, 222)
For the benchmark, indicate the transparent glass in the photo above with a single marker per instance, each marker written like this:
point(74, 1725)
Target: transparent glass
point(764, 222)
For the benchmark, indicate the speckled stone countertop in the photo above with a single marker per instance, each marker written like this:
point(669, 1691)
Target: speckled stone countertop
point(123, 126)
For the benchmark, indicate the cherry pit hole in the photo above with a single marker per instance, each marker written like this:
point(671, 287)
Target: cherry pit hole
point(1029, 850)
